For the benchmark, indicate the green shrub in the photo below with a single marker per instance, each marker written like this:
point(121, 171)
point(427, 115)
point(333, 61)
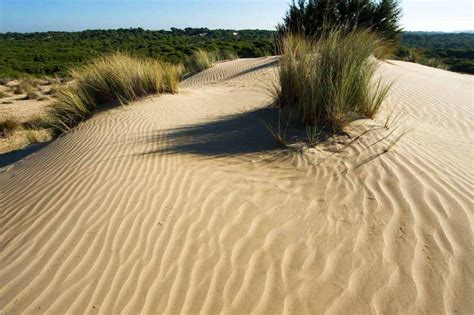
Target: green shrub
point(329, 82)
point(117, 78)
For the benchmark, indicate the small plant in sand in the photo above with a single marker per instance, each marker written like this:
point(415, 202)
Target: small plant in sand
point(54, 89)
point(18, 90)
point(113, 79)
point(417, 56)
point(3, 94)
point(329, 82)
point(32, 94)
point(8, 127)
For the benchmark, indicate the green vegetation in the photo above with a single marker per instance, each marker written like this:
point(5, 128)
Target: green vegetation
point(326, 83)
point(452, 51)
point(314, 18)
point(201, 59)
point(117, 78)
point(53, 53)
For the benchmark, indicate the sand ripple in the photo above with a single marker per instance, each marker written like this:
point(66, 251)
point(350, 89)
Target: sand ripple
point(180, 204)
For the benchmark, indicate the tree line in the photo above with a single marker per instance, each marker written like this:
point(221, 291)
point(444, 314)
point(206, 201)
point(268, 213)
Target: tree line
point(53, 53)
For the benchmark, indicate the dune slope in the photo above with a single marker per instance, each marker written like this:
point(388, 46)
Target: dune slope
point(182, 204)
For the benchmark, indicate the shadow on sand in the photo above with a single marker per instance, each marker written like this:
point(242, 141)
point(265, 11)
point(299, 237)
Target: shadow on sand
point(232, 135)
point(15, 156)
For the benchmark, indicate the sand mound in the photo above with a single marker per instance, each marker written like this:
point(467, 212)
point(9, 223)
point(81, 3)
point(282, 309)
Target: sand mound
point(181, 204)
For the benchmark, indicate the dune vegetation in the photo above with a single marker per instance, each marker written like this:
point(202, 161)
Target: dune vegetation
point(202, 59)
point(328, 82)
point(53, 53)
point(113, 79)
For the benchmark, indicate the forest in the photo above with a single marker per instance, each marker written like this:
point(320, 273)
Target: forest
point(53, 53)
point(454, 50)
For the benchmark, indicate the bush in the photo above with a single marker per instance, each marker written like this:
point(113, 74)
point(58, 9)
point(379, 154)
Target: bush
point(329, 82)
point(117, 78)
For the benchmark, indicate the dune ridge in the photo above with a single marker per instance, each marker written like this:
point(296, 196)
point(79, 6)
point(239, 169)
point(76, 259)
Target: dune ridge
point(181, 204)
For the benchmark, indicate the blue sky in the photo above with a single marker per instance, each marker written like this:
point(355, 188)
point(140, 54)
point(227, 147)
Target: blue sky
point(72, 15)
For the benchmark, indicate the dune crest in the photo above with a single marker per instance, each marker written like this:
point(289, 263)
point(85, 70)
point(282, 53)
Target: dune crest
point(179, 204)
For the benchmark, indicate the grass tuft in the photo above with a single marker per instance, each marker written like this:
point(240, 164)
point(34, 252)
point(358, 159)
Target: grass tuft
point(201, 59)
point(330, 82)
point(8, 127)
point(117, 78)
point(32, 94)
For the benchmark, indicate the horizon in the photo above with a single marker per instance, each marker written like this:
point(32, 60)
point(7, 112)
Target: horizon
point(30, 16)
point(210, 29)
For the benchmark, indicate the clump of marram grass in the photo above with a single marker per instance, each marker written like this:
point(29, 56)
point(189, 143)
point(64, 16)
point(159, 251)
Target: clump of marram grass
point(17, 90)
point(227, 55)
point(329, 82)
point(201, 60)
point(32, 94)
point(8, 126)
point(117, 78)
point(417, 56)
point(54, 89)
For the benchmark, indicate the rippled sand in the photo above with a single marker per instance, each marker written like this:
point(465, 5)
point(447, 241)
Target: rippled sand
point(182, 204)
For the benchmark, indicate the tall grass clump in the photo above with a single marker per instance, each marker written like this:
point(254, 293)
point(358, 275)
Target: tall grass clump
point(201, 60)
point(117, 78)
point(330, 81)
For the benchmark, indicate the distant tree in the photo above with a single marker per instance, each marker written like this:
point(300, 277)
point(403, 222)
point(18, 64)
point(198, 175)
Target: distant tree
point(386, 19)
point(314, 17)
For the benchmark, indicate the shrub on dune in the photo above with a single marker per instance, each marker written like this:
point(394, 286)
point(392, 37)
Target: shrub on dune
point(117, 78)
point(327, 83)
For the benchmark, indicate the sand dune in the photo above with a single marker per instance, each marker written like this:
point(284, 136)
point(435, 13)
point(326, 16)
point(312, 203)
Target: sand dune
point(182, 204)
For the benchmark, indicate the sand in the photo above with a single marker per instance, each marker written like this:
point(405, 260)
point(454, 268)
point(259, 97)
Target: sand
point(182, 204)
point(20, 109)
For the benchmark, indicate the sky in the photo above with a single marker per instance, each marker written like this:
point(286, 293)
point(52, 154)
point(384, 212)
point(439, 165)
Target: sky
point(76, 15)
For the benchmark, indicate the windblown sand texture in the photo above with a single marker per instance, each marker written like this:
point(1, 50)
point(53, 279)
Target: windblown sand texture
point(182, 204)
